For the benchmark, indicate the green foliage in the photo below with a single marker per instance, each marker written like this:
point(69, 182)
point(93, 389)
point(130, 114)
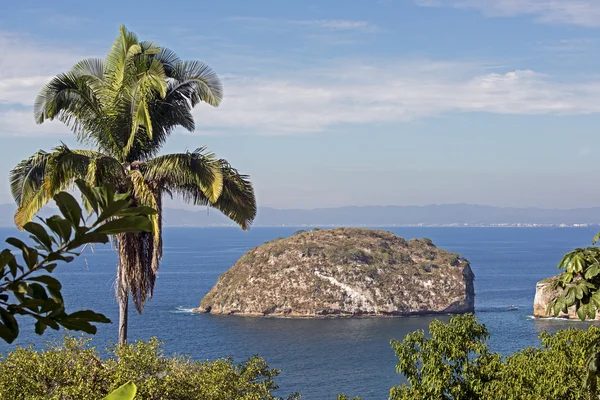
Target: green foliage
point(452, 364)
point(428, 241)
point(455, 363)
point(429, 256)
point(580, 283)
point(26, 287)
point(75, 371)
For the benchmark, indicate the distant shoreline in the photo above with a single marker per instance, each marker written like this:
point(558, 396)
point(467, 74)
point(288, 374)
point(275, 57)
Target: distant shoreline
point(312, 226)
point(399, 226)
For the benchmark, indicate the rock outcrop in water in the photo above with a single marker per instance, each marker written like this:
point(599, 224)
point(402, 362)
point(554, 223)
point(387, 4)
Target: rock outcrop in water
point(544, 295)
point(344, 272)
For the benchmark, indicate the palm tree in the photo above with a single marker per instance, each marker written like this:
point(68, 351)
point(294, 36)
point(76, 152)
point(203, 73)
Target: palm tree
point(124, 108)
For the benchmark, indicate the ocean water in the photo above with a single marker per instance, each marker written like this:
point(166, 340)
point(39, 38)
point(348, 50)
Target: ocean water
point(319, 358)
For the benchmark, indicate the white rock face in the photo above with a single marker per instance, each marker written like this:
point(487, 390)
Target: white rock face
point(344, 273)
point(544, 295)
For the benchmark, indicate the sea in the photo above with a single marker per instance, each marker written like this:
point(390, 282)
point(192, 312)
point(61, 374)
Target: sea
point(318, 358)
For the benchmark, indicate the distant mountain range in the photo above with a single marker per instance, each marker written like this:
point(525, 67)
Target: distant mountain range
point(446, 214)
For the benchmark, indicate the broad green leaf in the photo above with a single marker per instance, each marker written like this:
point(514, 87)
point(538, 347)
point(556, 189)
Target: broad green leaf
point(592, 271)
point(48, 280)
point(69, 208)
point(60, 226)
point(596, 238)
point(6, 334)
point(125, 392)
point(126, 224)
point(581, 313)
point(40, 327)
point(37, 291)
point(78, 325)
point(55, 256)
point(596, 299)
point(88, 315)
point(88, 192)
point(141, 210)
point(39, 232)
point(111, 210)
point(90, 237)
point(10, 323)
point(56, 294)
point(30, 255)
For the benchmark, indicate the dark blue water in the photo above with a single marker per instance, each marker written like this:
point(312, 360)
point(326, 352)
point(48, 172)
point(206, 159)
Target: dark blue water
point(319, 358)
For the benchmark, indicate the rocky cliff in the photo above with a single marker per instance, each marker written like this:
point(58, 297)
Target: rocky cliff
point(344, 272)
point(544, 295)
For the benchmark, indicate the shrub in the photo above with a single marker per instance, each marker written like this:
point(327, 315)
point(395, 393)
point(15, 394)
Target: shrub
point(74, 370)
point(299, 232)
point(454, 362)
point(428, 241)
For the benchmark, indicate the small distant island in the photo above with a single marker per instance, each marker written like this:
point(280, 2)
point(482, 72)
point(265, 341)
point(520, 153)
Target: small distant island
point(344, 273)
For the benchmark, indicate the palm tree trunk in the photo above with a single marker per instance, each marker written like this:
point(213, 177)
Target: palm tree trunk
point(123, 298)
point(122, 289)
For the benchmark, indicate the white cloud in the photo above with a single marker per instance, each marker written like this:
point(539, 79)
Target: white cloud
point(20, 123)
point(26, 66)
point(575, 12)
point(324, 24)
point(321, 100)
point(279, 100)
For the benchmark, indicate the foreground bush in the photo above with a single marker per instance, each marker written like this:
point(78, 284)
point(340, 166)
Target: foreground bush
point(74, 370)
point(454, 362)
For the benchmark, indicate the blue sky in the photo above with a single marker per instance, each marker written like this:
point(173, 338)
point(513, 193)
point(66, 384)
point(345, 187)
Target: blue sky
point(331, 103)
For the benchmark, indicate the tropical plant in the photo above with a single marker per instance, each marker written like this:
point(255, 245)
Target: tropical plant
point(579, 287)
point(27, 289)
point(579, 281)
point(125, 107)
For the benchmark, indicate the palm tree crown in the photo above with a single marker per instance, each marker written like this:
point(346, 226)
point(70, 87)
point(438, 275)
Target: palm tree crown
point(124, 108)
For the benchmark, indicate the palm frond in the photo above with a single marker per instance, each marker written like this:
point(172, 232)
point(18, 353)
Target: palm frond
point(116, 59)
point(169, 59)
point(35, 181)
point(237, 200)
point(73, 99)
point(199, 169)
point(28, 176)
point(93, 67)
point(198, 82)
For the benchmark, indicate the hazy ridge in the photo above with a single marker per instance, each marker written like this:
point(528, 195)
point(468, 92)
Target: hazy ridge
point(446, 214)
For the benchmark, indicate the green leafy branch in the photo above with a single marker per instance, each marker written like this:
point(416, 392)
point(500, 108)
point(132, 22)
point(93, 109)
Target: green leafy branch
point(580, 283)
point(26, 288)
